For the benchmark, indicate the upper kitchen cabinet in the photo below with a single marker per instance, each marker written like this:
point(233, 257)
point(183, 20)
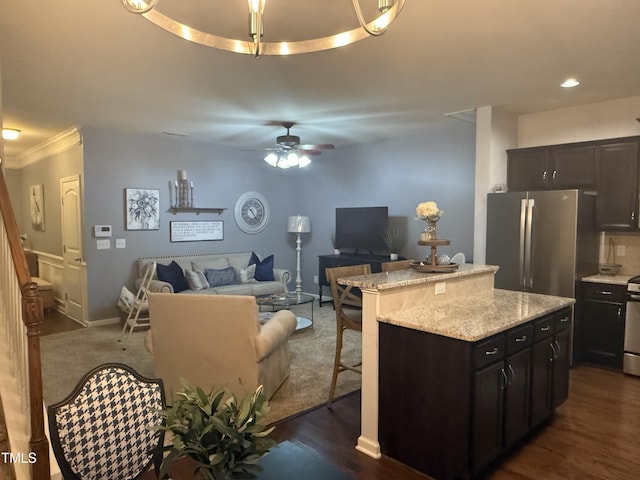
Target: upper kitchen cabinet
point(553, 167)
point(617, 201)
point(527, 169)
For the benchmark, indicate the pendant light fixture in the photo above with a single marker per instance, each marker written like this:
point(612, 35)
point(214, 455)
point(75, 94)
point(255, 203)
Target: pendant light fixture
point(388, 10)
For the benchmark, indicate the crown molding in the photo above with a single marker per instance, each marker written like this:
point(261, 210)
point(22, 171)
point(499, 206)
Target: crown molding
point(59, 143)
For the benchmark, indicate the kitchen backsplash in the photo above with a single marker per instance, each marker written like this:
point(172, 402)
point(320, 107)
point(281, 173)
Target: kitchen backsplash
point(629, 244)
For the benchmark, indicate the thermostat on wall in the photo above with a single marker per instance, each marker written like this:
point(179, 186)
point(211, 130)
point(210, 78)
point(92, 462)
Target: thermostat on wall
point(102, 230)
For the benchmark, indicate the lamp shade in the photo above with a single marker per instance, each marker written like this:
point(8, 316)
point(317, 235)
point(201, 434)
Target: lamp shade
point(299, 224)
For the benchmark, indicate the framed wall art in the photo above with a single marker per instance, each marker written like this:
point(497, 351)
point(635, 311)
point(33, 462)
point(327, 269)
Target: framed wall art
point(196, 231)
point(142, 209)
point(36, 199)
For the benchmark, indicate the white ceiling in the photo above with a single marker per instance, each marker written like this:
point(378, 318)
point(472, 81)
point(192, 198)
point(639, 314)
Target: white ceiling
point(91, 63)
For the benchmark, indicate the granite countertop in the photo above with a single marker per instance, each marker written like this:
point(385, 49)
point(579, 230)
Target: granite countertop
point(612, 279)
point(477, 316)
point(403, 278)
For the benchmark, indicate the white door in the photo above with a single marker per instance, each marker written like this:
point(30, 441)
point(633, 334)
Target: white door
point(74, 275)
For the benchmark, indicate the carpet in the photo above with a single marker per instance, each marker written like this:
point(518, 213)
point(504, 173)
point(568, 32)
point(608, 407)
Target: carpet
point(67, 356)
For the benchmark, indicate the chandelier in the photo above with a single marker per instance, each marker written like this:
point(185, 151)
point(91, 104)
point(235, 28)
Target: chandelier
point(388, 11)
point(287, 159)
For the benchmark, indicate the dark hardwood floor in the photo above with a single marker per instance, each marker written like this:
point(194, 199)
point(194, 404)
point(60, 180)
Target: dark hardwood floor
point(594, 435)
point(56, 322)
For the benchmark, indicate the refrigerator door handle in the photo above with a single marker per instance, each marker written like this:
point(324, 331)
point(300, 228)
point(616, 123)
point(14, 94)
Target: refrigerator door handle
point(527, 248)
point(523, 227)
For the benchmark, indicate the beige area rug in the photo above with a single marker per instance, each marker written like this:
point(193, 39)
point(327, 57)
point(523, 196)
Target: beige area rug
point(66, 357)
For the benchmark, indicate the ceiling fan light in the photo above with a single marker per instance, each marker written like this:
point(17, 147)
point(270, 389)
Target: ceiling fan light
point(292, 159)
point(271, 159)
point(303, 161)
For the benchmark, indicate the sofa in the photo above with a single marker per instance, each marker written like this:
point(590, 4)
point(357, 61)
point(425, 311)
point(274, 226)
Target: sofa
point(215, 340)
point(231, 274)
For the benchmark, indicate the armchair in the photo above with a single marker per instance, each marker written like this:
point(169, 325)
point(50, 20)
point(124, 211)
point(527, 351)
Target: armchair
point(217, 340)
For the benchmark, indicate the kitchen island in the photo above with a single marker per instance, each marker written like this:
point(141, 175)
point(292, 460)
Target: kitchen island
point(433, 344)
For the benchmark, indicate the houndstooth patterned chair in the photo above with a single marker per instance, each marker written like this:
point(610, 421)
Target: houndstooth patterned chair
point(102, 430)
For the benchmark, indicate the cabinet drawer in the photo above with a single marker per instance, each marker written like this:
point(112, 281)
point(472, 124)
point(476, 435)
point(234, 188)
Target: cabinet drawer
point(563, 320)
point(488, 351)
point(604, 292)
point(519, 338)
point(543, 328)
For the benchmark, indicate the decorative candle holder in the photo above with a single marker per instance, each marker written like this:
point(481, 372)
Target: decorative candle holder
point(181, 191)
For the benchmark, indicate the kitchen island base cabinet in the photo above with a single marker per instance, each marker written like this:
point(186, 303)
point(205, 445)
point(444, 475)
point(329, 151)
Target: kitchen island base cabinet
point(449, 408)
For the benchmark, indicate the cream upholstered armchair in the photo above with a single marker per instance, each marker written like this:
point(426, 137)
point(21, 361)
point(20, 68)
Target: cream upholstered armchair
point(217, 340)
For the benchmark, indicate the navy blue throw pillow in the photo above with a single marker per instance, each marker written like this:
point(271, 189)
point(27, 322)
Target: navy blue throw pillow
point(172, 274)
point(264, 268)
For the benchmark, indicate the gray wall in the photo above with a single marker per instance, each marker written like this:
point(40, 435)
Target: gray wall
point(437, 165)
point(47, 172)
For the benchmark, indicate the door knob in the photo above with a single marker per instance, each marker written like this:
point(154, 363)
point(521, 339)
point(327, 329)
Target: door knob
point(78, 259)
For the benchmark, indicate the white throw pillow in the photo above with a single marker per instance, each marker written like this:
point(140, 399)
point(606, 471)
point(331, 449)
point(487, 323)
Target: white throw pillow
point(196, 280)
point(243, 275)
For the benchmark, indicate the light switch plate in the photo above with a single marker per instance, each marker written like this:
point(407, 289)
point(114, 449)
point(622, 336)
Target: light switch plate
point(441, 287)
point(103, 244)
point(121, 243)
point(620, 250)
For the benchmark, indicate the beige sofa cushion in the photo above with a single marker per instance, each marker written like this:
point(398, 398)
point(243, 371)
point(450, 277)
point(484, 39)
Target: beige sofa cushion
point(213, 263)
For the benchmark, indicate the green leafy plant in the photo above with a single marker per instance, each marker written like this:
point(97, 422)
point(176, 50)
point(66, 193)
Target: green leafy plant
point(332, 236)
point(393, 238)
point(222, 436)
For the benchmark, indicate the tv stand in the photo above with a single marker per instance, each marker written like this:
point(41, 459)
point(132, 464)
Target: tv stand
point(345, 259)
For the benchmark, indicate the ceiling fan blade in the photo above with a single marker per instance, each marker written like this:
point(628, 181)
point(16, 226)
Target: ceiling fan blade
point(320, 146)
point(305, 151)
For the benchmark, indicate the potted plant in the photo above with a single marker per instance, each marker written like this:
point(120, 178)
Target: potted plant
point(222, 436)
point(394, 240)
point(336, 248)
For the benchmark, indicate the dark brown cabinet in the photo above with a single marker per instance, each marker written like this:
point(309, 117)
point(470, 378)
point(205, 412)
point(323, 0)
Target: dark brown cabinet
point(617, 202)
point(543, 168)
point(550, 360)
point(601, 324)
point(527, 169)
point(449, 408)
point(609, 167)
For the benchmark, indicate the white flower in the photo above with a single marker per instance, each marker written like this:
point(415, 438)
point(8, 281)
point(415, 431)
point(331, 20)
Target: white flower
point(428, 211)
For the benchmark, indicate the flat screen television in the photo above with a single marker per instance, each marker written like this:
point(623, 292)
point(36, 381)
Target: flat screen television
point(361, 229)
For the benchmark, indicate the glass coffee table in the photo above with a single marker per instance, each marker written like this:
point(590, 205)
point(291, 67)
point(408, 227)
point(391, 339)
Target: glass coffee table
point(281, 301)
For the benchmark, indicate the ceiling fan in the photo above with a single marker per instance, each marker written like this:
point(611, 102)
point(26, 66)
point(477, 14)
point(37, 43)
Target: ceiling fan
point(289, 152)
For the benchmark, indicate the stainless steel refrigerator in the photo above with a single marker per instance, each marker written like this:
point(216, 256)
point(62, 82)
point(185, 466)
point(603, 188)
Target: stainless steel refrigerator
point(543, 241)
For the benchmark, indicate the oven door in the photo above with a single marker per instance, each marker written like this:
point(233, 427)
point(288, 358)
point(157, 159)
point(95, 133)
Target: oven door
point(631, 362)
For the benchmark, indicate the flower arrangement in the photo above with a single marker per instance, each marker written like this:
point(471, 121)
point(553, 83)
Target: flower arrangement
point(428, 211)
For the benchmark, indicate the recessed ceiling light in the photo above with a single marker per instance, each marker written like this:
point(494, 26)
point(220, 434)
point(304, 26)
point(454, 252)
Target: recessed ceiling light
point(10, 133)
point(570, 83)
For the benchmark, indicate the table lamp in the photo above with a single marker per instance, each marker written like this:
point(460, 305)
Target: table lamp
point(298, 224)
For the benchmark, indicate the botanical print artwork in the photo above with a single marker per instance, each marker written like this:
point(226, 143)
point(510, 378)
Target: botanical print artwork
point(36, 198)
point(143, 209)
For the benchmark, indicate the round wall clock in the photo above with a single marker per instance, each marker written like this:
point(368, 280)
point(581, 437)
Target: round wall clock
point(251, 212)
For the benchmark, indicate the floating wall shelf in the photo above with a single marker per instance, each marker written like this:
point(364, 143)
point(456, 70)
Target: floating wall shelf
point(197, 211)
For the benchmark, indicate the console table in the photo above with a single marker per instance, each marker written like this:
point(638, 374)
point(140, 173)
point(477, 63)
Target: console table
point(343, 260)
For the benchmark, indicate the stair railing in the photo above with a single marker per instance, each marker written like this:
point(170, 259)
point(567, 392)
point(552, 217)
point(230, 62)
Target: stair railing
point(21, 314)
